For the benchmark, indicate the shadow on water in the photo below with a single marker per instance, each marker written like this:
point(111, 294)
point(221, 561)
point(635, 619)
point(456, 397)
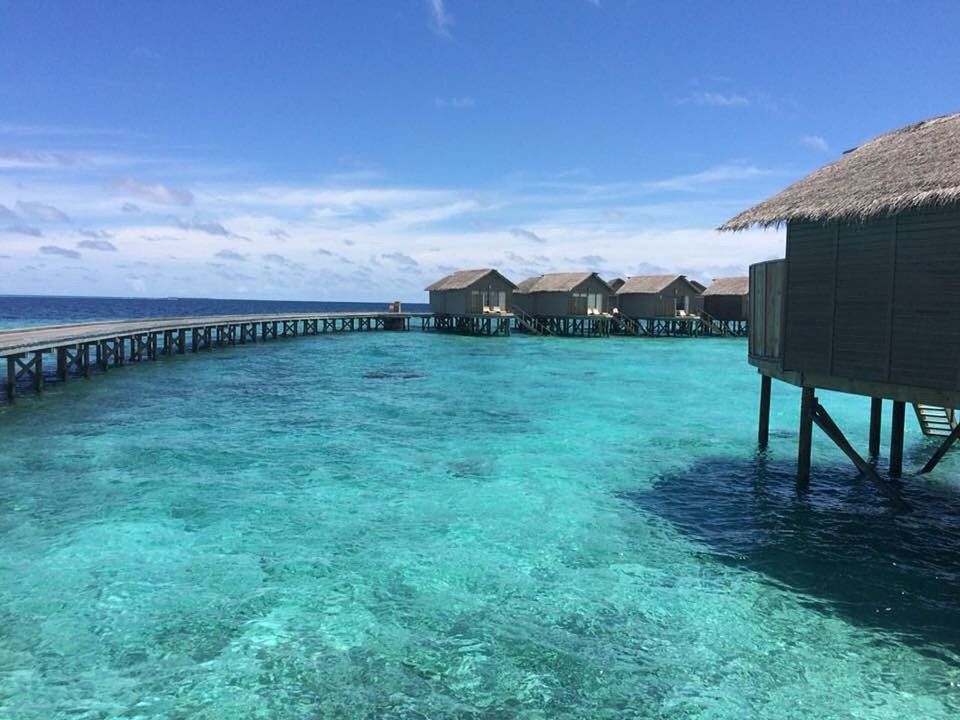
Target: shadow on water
point(839, 544)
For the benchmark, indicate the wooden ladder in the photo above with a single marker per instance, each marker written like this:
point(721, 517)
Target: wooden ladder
point(529, 322)
point(935, 421)
point(626, 323)
point(713, 326)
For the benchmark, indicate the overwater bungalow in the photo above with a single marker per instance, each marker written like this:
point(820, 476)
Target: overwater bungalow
point(867, 299)
point(725, 302)
point(476, 302)
point(658, 296)
point(572, 303)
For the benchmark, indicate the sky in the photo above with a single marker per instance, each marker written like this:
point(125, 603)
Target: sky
point(361, 150)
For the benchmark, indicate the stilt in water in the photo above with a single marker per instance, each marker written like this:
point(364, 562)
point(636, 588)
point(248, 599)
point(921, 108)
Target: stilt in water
point(896, 438)
point(876, 412)
point(807, 401)
point(763, 433)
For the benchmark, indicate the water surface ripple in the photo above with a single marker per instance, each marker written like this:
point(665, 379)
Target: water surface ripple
point(420, 526)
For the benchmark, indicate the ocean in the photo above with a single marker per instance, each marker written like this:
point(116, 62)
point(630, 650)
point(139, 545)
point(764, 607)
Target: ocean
point(417, 525)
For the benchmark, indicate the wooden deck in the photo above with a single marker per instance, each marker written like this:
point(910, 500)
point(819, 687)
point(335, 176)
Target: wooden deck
point(77, 349)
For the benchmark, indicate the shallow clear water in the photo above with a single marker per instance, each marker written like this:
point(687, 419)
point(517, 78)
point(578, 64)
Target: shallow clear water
point(408, 525)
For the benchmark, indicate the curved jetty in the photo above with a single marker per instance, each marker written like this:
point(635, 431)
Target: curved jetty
point(75, 348)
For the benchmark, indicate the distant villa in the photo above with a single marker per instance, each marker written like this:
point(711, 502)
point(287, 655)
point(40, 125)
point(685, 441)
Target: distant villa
point(484, 301)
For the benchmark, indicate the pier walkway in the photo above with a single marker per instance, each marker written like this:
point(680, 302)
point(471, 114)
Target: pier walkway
point(76, 349)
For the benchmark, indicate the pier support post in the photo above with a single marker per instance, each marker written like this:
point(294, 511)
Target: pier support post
point(896, 438)
point(38, 371)
point(11, 384)
point(763, 432)
point(62, 368)
point(876, 413)
point(805, 446)
point(84, 351)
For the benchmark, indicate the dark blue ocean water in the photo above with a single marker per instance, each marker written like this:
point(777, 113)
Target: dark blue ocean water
point(21, 310)
point(413, 525)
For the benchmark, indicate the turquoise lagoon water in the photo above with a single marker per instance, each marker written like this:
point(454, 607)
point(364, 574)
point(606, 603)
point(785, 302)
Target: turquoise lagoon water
point(409, 525)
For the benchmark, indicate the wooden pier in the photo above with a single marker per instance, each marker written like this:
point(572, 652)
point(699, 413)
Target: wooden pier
point(34, 355)
point(479, 324)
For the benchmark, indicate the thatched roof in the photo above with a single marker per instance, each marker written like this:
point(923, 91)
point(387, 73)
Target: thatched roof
point(556, 282)
point(647, 284)
point(729, 286)
point(463, 279)
point(916, 166)
point(697, 285)
point(616, 283)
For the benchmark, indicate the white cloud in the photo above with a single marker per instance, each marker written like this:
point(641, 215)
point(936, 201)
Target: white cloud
point(463, 102)
point(102, 245)
point(42, 212)
point(815, 142)
point(441, 20)
point(155, 192)
point(524, 234)
point(715, 99)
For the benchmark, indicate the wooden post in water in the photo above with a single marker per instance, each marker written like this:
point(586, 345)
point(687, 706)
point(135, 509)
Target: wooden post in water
point(763, 433)
point(876, 412)
point(896, 438)
point(11, 378)
point(62, 371)
point(38, 371)
point(805, 445)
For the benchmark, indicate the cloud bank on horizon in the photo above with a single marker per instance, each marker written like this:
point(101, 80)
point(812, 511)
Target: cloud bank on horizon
point(135, 229)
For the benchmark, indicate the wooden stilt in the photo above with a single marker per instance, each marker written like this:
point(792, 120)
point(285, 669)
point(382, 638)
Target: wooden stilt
point(85, 359)
point(876, 413)
point(38, 371)
point(11, 385)
point(896, 438)
point(763, 433)
point(805, 444)
point(823, 421)
point(942, 450)
point(62, 368)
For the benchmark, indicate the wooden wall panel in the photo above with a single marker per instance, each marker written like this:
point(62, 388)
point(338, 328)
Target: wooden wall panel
point(811, 255)
point(926, 318)
point(861, 327)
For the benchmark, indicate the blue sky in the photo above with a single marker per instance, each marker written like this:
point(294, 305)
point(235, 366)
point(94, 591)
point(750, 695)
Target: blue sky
point(358, 150)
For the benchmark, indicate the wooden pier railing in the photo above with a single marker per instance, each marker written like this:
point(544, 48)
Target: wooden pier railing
point(74, 350)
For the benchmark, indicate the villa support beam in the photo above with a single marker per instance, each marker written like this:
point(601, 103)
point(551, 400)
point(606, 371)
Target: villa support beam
point(876, 413)
point(822, 419)
point(763, 433)
point(805, 446)
point(942, 450)
point(896, 438)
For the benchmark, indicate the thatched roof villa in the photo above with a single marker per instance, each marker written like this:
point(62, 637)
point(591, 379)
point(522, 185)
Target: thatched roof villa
point(726, 298)
point(563, 294)
point(658, 296)
point(468, 292)
point(867, 300)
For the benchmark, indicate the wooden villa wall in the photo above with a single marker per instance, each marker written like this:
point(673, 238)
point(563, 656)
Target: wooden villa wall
point(559, 304)
point(662, 304)
point(450, 302)
point(878, 301)
point(726, 307)
point(765, 321)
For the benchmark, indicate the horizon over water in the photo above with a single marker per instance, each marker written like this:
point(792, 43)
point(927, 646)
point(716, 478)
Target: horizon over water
point(418, 525)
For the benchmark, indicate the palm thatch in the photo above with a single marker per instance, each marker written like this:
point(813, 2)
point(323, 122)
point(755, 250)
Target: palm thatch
point(557, 282)
point(729, 286)
point(463, 279)
point(647, 284)
point(916, 166)
point(616, 283)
